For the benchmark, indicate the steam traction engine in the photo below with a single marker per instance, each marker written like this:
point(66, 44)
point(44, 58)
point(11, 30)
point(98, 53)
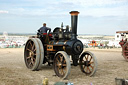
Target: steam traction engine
point(57, 49)
point(124, 44)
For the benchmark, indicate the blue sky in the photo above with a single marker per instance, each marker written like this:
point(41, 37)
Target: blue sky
point(96, 16)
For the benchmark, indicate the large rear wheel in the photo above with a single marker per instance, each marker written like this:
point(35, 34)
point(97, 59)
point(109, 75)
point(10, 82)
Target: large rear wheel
point(88, 63)
point(62, 64)
point(32, 54)
point(125, 51)
point(41, 49)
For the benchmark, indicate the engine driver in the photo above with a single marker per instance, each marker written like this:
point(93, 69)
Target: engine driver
point(44, 29)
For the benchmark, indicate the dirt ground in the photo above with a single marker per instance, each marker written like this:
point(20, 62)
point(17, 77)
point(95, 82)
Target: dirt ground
point(13, 71)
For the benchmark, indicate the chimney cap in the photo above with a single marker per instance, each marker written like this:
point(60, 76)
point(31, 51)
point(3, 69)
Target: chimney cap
point(74, 12)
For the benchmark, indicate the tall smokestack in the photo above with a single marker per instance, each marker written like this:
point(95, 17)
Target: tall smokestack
point(74, 15)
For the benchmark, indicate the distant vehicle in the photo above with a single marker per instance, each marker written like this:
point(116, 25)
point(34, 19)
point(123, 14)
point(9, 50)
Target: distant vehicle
point(3, 45)
point(93, 43)
point(20, 43)
point(113, 44)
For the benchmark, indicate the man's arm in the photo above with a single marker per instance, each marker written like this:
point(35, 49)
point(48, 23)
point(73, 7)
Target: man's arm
point(39, 29)
point(49, 29)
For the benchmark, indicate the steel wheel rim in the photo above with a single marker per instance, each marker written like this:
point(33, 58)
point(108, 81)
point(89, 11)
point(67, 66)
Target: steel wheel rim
point(30, 54)
point(60, 65)
point(125, 51)
point(87, 64)
point(41, 47)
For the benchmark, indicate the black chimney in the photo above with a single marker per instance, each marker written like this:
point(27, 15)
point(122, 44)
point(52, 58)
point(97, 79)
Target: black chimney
point(74, 15)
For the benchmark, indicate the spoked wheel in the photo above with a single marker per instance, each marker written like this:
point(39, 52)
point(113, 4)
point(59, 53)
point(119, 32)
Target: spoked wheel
point(62, 64)
point(32, 54)
point(88, 63)
point(125, 51)
point(41, 49)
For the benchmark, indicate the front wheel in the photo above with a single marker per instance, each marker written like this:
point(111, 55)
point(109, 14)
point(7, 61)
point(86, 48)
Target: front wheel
point(88, 63)
point(62, 64)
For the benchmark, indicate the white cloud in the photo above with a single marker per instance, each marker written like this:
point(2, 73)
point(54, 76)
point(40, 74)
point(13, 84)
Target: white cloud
point(96, 2)
point(99, 12)
point(95, 8)
point(3, 12)
point(99, 8)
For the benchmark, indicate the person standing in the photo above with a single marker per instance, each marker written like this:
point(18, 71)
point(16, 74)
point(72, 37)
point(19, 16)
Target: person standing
point(44, 29)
